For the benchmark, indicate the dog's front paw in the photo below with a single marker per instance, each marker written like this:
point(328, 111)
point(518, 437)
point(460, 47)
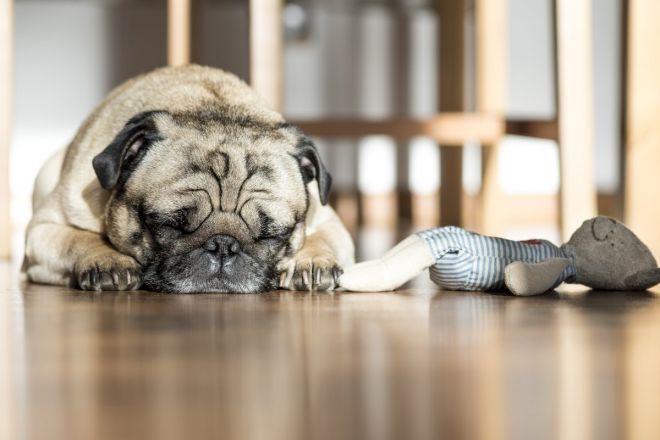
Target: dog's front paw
point(109, 272)
point(317, 272)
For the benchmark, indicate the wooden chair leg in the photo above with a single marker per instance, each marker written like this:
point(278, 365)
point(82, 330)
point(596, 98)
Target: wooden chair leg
point(491, 77)
point(575, 113)
point(451, 186)
point(452, 84)
point(642, 126)
point(400, 67)
point(266, 47)
point(6, 120)
point(178, 32)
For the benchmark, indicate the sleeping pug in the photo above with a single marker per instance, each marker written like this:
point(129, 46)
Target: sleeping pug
point(182, 180)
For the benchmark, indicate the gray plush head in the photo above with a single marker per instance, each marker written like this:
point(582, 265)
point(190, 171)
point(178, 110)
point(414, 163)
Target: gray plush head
point(609, 256)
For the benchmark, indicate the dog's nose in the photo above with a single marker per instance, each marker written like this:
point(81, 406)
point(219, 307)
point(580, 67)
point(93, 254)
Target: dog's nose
point(224, 247)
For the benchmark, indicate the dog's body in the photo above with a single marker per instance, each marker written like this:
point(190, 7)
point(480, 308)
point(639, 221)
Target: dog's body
point(203, 189)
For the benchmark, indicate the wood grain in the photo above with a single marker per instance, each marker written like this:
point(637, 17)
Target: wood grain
point(418, 363)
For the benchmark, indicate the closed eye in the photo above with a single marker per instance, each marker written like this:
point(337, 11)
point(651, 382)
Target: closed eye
point(270, 229)
point(260, 191)
point(275, 233)
point(177, 220)
point(282, 238)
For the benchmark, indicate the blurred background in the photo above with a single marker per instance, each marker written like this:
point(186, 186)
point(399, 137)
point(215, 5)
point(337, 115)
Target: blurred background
point(504, 116)
point(518, 118)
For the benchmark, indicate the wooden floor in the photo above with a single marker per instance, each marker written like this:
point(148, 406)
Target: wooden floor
point(419, 363)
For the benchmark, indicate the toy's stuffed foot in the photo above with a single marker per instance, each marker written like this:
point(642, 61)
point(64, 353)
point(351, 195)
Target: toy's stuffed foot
point(525, 279)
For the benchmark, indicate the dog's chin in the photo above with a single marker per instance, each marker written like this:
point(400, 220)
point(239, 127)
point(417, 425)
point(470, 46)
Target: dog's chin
point(218, 285)
point(192, 273)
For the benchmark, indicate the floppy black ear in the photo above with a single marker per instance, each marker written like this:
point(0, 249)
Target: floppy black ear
point(138, 133)
point(312, 168)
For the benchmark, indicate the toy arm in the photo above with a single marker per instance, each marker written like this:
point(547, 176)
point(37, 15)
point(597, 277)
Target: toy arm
point(398, 265)
point(526, 279)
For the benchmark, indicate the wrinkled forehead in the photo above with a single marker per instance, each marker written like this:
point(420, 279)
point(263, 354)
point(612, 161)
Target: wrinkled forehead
point(230, 164)
point(216, 126)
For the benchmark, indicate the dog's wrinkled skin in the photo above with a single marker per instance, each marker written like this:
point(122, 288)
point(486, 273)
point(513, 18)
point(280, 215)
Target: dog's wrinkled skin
point(184, 181)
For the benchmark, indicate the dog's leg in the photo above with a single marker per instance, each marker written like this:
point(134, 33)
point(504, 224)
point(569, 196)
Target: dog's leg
point(327, 249)
point(61, 254)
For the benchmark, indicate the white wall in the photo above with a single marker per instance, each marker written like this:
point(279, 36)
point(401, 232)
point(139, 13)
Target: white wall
point(530, 77)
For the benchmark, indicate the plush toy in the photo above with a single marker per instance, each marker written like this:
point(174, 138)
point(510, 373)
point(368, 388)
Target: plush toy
point(601, 254)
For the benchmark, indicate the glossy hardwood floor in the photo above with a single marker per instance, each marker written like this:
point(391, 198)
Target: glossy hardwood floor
point(415, 364)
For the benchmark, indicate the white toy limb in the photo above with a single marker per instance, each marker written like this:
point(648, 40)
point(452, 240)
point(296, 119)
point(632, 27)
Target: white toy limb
point(412, 240)
point(525, 279)
point(398, 265)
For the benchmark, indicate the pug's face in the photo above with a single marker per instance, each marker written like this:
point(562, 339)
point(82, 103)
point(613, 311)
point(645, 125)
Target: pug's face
point(208, 203)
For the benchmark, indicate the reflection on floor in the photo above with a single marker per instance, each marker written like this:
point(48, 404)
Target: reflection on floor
point(418, 363)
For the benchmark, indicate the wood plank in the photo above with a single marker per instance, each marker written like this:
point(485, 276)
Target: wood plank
point(266, 50)
point(452, 72)
point(575, 113)
point(178, 32)
point(454, 128)
point(451, 128)
point(491, 78)
point(642, 179)
point(6, 119)
point(548, 129)
point(640, 359)
point(8, 352)
point(418, 363)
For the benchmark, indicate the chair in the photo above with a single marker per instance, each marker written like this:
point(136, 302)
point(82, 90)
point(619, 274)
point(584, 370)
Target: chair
point(455, 125)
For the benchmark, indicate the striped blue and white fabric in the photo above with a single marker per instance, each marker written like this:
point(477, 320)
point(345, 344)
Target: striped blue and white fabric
point(465, 260)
